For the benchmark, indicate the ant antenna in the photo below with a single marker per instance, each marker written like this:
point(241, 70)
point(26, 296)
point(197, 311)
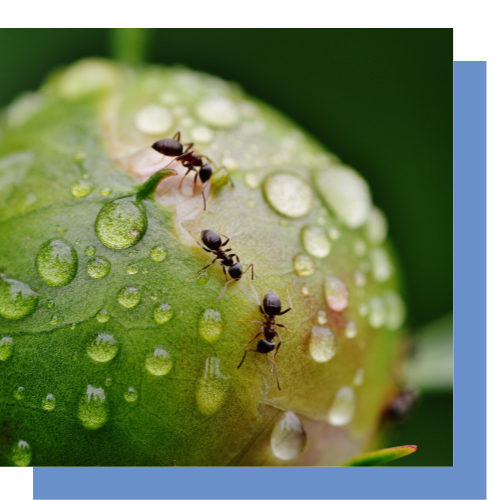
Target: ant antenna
point(224, 289)
point(254, 292)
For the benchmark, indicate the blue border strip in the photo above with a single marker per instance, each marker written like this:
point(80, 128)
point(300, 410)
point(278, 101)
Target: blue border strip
point(467, 479)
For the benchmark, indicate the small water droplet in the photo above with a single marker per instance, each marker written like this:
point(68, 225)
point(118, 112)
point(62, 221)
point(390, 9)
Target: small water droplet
point(376, 314)
point(153, 119)
point(211, 390)
point(288, 438)
point(315, 241)
point(153, 297)
point(336, 293)
point(132, 269)
point(6, 348)
point(376, 226)
point(90, 250)
point(162, 313)
point(18, 393)
point(252, 181)
point(351, 329)
point(359, 377)
point(80, 189)
point(131, 395)
point(396, 310)
point(54, 320)
point(60, 229)
point(322, 318)
point(21, 454)
point(342, 409)
point(93, 408)
point(73, 326)
point(359, 247)
point(305, 290)
point(203, 278)
point(102, 316)
point(49, 402)
point(129, 297)
point(381, 264)
point(158, 253)
point(108, 382)
point(303, 265)
point(210, 325)
point(103, 348)
point(252, 204)
point(288, 194)
point(363, 309)
point(77, 242)
point(322, 344)
point(57, 262)
point(50, 304)
point(159, 362)
point(202, 134)
point(218, 111)
point(359, 279)
point(334, 233)
point(105, 191)
point(98, 267)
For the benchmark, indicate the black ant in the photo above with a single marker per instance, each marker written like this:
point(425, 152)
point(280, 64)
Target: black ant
point(400, 407)
point(189, 159)
point(214, 243)
point(271, 307)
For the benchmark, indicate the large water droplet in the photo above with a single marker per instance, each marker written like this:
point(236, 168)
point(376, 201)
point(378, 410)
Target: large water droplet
point(218, 111)
point(211, 390)
point(288, 438)
point(376, 314)
point(322, 344)
point(6, 348)
point(131, 395)
point(102, 316)
point(351, 329)
point(17, 300)
point(336, 294)
point(57, 262)
point(121, 223)
point(252, 181)
point(98, 267)
point(105, 191)
point(129, 297)
point(153, 119)
point(158, 253)
point(342, 409)
point(21, 454)
point(90, 250)
point(132, 269)
point(210, 325)
point(381, 264)
point(396, 310)
point(159, 362)
point(315, 241)
point(303, 264)
point(102, 348)
point(376, 226)
point(288, 194)
point(80, 189)
point(162, 313)
point(346, 194)
point(93, 408)
point(49, 402)
point(18, 393)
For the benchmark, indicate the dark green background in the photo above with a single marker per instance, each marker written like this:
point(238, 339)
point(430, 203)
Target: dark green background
point(381, 99)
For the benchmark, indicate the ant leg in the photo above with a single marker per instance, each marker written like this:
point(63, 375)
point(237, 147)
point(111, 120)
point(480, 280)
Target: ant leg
point(277, 379)
point(283, 326)
point(194, 184)
point(258, 335)
point(224, 289)
point(278, 346)
point(224, 269)
point(227, 172)
point(226, 242)
point(256, 296)
point(289, 301)
point(182, 180)
point(204, 197)
point(250, 266)
point(203, 268)
point(189, 147)
point(249, 321)
point(245, 355)
point(177, 136)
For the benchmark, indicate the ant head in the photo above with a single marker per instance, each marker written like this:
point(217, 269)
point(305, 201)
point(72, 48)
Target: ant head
point(212, 240)
point(168, 147)
point(271, 303)
point(264, 346)
point(205, 172)
point(236, 271)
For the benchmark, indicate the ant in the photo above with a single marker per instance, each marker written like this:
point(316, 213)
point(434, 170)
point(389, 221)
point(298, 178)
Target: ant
point(189, 159)
point(271, 307)
point(400, 407)
point(214, 243)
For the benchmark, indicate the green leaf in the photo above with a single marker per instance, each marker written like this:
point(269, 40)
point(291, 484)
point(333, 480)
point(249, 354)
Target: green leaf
point(382, 456)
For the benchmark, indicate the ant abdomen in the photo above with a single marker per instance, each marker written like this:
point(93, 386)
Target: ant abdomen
point(211, 239)
point(264, 346)
point(272, 303)
point(168, 147)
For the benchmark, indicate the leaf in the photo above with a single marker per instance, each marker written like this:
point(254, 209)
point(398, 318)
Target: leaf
point(382, 456)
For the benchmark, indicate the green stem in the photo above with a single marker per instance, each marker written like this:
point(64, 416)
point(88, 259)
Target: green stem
point(130, 45)
point(149, 187)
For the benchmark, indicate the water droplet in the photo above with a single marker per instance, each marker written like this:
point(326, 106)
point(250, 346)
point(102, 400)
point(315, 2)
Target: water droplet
point(322, 344)
point(153, 297)
point(131, 395)
point(346, 194)
point(103, 348)
point(334, 233)
point(145, 270)
point(93, 408)
point(251, 204)
point(363, 309)
point(108, 382)
point(359, 279)
point(252, 181)
point(21, 454)
point(359, 247)
point(50, 304)
point(17, 300)
point(49, 402)
point(359, 377)
point(98, 267)
point(102, 316)
point(159, 362)
point(342, 410)
point(322, 318)
point(202, 134)
point(57, 262)
point(162, 313)
point(210, 325)
point(305, 290)
point(351, 329)
point(54, 320)
point(18, 393)
point(158, 253)
point(73, 326)
point(382, 267)
point(315, 241)
point(376, 314)
point(60, 229)
point(129, 296)
point(211, 390)
point(288, 438)
point(132, 269)
point(6, 348)
point(105, 191)
point(80, 189)
point(203, 278)
point(90, 250)
point(153, 119)
point(336, 293)
point(303, 264)
point(396, 310)
point(376, 226)
point(288, 194)
point(121, 223)
point(218, 111)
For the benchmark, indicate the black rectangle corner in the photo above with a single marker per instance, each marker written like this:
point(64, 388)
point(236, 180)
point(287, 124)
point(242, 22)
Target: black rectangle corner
point(470, 44)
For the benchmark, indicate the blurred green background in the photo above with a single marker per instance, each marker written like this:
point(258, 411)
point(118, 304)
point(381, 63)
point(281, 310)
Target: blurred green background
point(381, 99)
